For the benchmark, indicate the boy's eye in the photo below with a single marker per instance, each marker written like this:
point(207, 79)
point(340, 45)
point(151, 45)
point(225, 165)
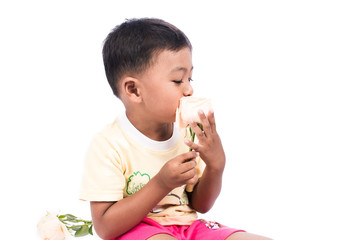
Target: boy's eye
point(178, 81)
point(181, 81)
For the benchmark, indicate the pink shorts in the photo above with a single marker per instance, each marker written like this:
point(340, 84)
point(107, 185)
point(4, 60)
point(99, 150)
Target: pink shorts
point(200, 229)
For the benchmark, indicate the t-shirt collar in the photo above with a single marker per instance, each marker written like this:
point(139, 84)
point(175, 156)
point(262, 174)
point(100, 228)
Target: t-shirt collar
point(135, 134)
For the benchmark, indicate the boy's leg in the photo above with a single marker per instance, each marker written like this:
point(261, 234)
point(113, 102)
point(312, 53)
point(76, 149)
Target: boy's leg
point(162, 237)
point(246, 236)
point(148, 229)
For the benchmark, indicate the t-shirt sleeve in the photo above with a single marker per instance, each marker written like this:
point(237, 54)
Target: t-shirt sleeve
point(103, 178)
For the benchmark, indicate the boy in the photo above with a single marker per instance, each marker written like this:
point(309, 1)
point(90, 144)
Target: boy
point(142, 181)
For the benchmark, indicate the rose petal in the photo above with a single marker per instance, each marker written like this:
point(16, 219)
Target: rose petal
point(188, 110)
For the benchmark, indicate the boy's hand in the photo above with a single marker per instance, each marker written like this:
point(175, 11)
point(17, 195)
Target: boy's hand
point(209, 145)
point(178, 171)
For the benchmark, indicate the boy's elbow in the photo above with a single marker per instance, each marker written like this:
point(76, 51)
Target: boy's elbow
point(202, 207)
point(105, 234)
point(103, 225)
point(106, 229)
point(203, 210)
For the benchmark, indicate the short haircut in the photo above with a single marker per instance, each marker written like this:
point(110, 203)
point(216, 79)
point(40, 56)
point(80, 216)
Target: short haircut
point(131, 47)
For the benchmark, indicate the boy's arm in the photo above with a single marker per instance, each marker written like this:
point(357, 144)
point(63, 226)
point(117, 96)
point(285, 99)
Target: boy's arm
point(206, 190)
point(212, 153)
point(111, 219)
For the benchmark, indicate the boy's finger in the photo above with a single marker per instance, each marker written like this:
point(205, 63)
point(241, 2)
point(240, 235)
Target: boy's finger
point(193, 180)
point(187, 166)
point(185, 157)
point(211, 118)
point(205, 122)
point(189, 174)
point(191, 145)
point(197, 130)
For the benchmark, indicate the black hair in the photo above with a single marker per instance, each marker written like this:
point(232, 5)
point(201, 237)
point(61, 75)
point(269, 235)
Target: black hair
point(131, 47)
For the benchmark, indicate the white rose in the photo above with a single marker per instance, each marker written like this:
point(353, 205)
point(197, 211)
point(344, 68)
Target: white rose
point(188, 110)
point(51, 228)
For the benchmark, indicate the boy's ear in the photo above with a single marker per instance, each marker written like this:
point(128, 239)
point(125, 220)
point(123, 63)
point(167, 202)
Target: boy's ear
point(131, 90)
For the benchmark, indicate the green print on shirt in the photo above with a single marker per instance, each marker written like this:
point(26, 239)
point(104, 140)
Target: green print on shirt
point(136, 182)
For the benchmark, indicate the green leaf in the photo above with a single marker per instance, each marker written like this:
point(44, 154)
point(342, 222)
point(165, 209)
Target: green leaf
point(83, 231)
point(70, 217)
point(75, 228)
point(90, 230)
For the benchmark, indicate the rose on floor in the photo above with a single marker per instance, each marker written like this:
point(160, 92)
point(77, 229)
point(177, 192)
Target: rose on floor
point(51, 228)
point(62, 227)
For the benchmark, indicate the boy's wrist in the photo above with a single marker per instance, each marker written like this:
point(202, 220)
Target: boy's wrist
point(161, 185)
point(217, 167)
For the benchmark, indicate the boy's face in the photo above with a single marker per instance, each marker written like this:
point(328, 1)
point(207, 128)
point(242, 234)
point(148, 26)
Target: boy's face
point(165, 82)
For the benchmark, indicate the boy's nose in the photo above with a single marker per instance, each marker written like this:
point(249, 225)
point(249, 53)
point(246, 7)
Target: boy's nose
point(188, 91)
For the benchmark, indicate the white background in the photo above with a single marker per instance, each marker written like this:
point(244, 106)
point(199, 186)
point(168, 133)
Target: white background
point(283, 77)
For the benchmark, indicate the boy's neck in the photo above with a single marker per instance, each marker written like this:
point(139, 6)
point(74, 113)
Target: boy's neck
point(152, 130)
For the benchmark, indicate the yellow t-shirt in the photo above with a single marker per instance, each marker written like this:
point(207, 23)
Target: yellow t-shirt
point(121, 160)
